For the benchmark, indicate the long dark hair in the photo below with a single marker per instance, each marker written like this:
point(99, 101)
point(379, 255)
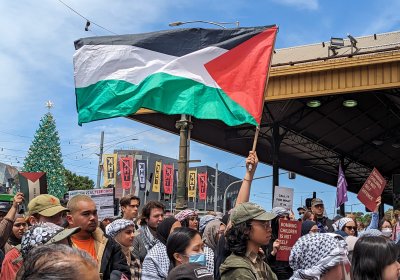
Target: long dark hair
point(371, 255)
point(237, 238)
point(179, 240)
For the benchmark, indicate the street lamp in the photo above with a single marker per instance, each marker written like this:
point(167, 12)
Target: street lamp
point(291, 176)
point(220, 24)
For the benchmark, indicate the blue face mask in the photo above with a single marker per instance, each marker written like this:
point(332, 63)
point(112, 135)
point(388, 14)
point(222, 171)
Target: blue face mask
point(199, 258)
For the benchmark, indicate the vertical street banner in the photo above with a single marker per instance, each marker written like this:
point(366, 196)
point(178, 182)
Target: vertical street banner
point(372, 189)
point(126, 170)
point(168, 178)
point(141, 166)
point(157, 177)
point(192, 183)
point(202, 183)
point(341, 188)
point(32, 184)
point(288, 233)
point(110, 169)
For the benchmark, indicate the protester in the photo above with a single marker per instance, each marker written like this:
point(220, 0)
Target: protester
point(184, 245)
point(188, 218)
point(317, 208)
point(105, 222)
point(7, 221)
point(301, 210)
point(58, 262)
point(190, 271)
point(309, 227)
point(308, 216)
point(213, 231)
point(107, 253)
point(243, 196)
point(360, 226)
point(130, 207)
point(19, 227)
point(251, 229)
point(204, 221)
point(385, 226)
point(46, 208)
point(346, 227)
point(375, 258)
point(157, 264)
point(123, 231)
point(280, 268)
point(152, 215)
point(319, 256)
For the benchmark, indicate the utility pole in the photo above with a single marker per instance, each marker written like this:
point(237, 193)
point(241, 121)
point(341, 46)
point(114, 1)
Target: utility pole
point(100, 160)
point(184, 125)
point(216, 189)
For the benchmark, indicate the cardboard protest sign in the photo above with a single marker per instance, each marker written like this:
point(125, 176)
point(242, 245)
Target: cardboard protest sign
point(289, 232)
point(283, 197)
point(372, 189)
point(104, 199)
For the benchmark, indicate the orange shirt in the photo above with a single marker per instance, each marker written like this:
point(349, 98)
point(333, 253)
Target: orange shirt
point(86, 245)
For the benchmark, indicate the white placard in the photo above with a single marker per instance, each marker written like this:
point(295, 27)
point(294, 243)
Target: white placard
point(283, 197)
point(104, 199)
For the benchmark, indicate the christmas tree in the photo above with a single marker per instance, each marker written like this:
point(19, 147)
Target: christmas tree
point(44, 155)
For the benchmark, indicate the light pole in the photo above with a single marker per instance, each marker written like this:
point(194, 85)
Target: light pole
point(257, 178)
point(220, 24)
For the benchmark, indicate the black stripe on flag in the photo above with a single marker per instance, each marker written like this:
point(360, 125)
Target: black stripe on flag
point(179, 42)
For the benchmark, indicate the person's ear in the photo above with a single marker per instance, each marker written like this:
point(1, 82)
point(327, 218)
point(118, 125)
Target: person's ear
point(32, 220)
point(70, 219)
point(178, 258)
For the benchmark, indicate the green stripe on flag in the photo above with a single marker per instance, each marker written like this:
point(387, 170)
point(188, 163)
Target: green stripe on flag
point(160, 92)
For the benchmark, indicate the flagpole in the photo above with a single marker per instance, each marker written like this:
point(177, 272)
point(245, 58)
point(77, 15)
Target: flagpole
point(264, 96)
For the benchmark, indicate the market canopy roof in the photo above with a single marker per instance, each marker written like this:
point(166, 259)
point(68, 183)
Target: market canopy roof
point(315, 139)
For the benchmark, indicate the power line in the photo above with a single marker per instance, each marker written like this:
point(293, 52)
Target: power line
point(87, 20)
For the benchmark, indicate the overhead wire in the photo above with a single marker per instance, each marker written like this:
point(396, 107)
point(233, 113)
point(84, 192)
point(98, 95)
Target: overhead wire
point(87, 20)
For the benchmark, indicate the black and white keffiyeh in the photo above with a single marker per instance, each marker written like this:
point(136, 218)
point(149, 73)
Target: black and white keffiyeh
point(117, 226)
point(342, 222)
point(315, 254)
point(280, 211)
point(38, 234)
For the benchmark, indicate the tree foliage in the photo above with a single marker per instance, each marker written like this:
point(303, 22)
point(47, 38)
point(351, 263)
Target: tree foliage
point(77, 182)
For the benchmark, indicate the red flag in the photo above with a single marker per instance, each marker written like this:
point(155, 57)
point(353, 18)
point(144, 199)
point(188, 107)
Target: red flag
point(202, 185)
point(126, 169)
point(168, 178)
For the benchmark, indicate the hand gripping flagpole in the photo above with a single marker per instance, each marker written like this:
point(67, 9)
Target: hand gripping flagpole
point(262, 103)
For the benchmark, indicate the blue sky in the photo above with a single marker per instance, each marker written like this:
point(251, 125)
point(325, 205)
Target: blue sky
point(36, 65)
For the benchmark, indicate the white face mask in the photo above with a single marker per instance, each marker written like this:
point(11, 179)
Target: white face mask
point(387, 232)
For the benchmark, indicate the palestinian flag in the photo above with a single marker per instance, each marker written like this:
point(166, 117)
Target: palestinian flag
point(207, 73)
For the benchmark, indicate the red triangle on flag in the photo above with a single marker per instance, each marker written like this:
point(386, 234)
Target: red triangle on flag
point(242, 72)
point(32, 176)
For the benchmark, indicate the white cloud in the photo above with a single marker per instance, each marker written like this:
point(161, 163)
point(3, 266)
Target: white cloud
point(300, 4)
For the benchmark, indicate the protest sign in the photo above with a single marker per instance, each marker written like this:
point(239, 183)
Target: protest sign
point(283, 197)
point(32, 184)
point(104, 199)
point(289, 232)
point(372, 189)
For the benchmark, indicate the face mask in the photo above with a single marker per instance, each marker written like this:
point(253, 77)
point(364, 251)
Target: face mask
point(199, 258)
point(387, 232)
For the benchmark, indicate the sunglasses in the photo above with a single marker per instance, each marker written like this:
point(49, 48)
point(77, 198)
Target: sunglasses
point(351, 228)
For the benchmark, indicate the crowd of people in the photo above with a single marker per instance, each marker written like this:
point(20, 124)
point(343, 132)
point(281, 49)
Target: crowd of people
point(52, 241)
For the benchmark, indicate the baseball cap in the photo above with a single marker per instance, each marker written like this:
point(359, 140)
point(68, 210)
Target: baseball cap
point(190, 271)
point(45, 205)
point(5, 207)
point(316, 201)
point(302, 208)
point(250, 211)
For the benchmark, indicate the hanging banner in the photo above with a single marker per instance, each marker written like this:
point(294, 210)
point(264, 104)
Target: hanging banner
point(202, 183)
point(372, 189)
point(192, 183)
point(168, 178)
point(110, 169)
point(126, 169)
point(141, 173)
point(157, 177)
